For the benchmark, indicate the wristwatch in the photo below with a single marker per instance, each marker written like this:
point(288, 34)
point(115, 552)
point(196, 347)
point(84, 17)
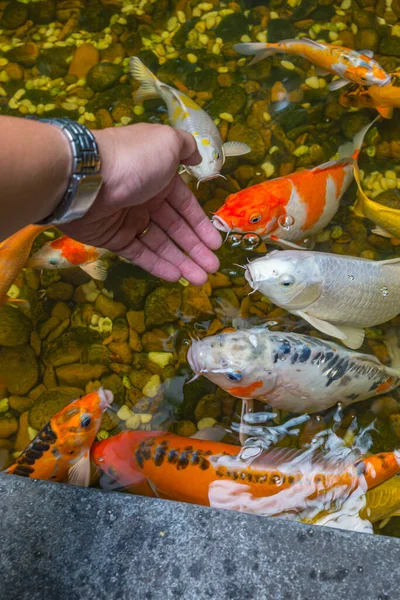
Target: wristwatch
point(85, 181)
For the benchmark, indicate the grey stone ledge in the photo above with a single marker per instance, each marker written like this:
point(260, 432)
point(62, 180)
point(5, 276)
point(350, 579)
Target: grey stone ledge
point(64, 543)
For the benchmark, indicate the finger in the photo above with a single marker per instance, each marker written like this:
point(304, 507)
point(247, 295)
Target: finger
point(157, 241)
point(143, 257)
point(184, 202)
point(188, 153)
point(177, 229)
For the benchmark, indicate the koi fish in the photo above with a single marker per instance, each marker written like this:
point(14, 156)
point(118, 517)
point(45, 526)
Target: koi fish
point(249, 479)
point(383, 502)
point(383, 99)
point(184, 113)
point(349, 65)
point(295, 206)
point(14, 252)
point(64, 252)
point(289, 371)
point(386, 219)
point(60, 450)
point(338, 295)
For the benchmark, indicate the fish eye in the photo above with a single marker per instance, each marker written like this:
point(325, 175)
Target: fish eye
point(216, 155)
point(85, 421)
point(286, 280)
point(255, 218)
point(235, 376)
point(53, 261)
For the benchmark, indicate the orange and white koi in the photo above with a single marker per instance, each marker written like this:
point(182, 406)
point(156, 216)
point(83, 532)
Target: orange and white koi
point(290, 208)
point(184, 113)
point(60, 451)
point(383, 99)
point(64, 252)
point(349, 65)
point(248, 479)
point(14, 252)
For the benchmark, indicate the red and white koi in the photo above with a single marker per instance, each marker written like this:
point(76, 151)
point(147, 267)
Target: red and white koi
point(293, 207)
point(64, 253)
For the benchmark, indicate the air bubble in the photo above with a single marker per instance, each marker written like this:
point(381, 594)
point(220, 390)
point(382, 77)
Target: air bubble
point(250, 241)
point(286, 222)
point(384, 291)
point(351, 277)
point(234, 239)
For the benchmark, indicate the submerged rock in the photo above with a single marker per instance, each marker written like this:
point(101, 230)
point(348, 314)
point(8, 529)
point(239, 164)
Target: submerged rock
point(232, 27)
point(85, 57)
point(208, 406)
point(243, 133)
point(19, 369)
point(78, 375)
point(8, 426)
point(25, 55)
point(51, 402)
point(15, 14)
point(196, 305)
point(162, 306)
point(103, 76)
point(15, 327)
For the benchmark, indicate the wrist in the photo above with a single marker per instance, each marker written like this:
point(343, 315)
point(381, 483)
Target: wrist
point(84, 180)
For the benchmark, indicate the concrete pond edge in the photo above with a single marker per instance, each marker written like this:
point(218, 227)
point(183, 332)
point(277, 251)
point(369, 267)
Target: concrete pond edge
point(61, 542)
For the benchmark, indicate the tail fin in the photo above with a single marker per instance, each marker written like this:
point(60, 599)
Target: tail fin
point(353, 148)
point(260, 50)
point(148, 88)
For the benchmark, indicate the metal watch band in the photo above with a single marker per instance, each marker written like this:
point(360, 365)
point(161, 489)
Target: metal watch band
point(85, 181)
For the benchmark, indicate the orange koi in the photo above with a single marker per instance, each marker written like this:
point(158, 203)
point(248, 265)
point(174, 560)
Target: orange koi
point(196, 471)
point(14, 252)
point(383, 99)
point(64, 252)
point(61, 449)
point(292, 207)
point(349, 65)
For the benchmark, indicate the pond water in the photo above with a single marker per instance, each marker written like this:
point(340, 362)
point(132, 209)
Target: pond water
point(132, 333)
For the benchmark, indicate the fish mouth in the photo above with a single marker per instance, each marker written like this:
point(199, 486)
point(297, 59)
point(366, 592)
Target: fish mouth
point(249, 276)
point(193, 361)
point(106, 398)
point(220, 224)
point(209, 177)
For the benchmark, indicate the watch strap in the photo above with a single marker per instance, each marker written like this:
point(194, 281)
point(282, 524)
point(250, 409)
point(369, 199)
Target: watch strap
point(85, 180)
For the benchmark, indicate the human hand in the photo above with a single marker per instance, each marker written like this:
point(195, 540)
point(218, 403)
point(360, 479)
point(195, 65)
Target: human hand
point(144, 211)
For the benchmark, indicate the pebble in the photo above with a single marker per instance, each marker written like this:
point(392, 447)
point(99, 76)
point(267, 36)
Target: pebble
point(162, 359)
point(268, 169)
point(124, 413)
point(152, 387)
point(313, 82)
point(133, 422)
point(226, 117)
point(206, 422)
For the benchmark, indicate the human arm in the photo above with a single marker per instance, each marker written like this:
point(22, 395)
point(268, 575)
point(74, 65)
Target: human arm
point(141, 190)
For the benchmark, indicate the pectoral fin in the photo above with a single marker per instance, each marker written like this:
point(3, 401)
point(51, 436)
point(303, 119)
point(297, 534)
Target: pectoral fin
point(321, 72)
point(278, 240)
point(391, 261)
point(354, 336)
point(358, 209)
point(235, 148)
point(96, 269)
point(338, 84)
point(79, 474)
point(321, 325)
point(382, 232)
point(385, 112)
point(368, 53)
